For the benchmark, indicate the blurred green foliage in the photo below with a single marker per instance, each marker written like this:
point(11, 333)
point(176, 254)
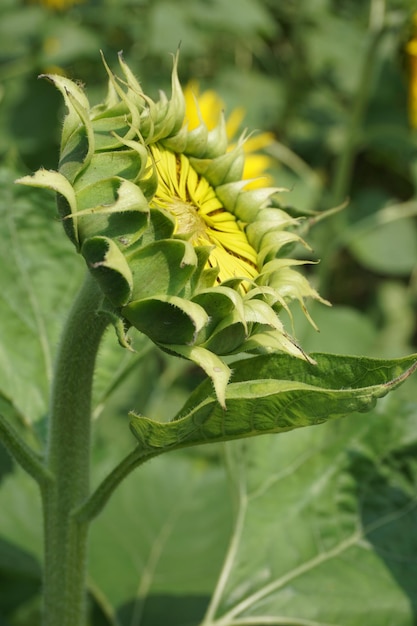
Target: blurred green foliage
point(330, 79)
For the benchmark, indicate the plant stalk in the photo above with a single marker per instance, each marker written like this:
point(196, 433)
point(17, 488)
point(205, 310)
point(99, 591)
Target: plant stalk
point(345, 164)
point(68, 460)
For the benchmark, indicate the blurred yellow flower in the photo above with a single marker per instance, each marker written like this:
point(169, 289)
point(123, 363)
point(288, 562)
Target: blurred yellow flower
point(209, 107)
point(57, 5)
point(411, 51)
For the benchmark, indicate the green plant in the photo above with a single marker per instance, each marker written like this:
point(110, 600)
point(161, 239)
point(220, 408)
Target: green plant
point(281, 530)
point(178, 248)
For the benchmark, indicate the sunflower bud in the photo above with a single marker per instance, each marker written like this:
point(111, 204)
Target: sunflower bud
point(184, 250)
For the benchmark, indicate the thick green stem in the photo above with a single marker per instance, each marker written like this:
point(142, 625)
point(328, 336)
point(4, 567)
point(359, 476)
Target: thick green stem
point(68, 460)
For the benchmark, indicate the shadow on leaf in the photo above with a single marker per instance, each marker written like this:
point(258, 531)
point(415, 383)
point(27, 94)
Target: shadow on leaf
point(386, 490)
point(175, 610)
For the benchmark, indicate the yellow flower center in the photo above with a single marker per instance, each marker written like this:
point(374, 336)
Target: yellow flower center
point(200, 215)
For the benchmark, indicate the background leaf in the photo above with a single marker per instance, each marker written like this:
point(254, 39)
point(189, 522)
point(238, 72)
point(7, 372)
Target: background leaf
point(320, 514)
point(165, 533)
point(325, 516)
point(294, 67)
point(39, 274)
point(379, 250)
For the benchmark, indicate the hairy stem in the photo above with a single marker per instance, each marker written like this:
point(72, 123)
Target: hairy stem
point(68, 460)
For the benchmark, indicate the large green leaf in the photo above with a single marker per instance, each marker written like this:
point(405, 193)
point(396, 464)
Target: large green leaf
point(39, 274)
point(275, 393)
point(325, 528)
point(20, 519)
point(323, 514)
point(160, 541)
point(164, 533)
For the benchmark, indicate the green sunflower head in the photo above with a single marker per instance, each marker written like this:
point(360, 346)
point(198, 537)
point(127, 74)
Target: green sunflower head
point(183, 250)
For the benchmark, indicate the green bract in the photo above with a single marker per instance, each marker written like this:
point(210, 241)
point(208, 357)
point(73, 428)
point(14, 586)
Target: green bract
point(182, 249)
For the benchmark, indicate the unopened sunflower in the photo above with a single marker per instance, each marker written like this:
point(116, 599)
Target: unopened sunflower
point(183, 250)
